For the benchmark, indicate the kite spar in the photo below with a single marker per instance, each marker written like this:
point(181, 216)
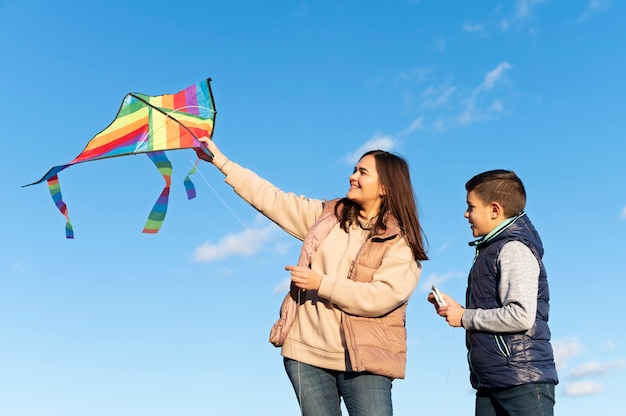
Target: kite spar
point(150, 125)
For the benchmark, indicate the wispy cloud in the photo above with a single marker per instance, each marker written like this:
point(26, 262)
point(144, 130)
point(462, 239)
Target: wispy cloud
point(444, 105)
point(622, 215)
point(594, 7)
point(524, 8)
point(493, 77)
point(503, 19)
point(439, 96)
point(20, 266)
point(283, 286)
point(435, 279)
point(417, 124)
point(565, 349)
point(583, 388)
point(246, 243)
point(379, 141)
point(440, 45)
point(479, 105)
point(523, 12)
point(595, 368)
point(473, 28)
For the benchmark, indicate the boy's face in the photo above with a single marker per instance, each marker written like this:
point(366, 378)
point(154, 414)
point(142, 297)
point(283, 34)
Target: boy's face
point(483, 217)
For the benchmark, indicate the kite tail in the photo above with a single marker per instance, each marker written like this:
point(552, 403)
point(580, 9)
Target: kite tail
point(189, 186)
point(157, 215)
point(55, 192)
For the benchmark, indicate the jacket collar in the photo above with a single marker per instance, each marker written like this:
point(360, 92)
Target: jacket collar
point(496, 231)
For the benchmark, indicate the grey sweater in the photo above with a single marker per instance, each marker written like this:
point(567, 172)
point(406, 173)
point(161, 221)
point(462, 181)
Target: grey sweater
point(518, 291)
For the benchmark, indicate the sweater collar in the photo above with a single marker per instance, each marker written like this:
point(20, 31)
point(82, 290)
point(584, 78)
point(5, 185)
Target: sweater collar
point(496, 231)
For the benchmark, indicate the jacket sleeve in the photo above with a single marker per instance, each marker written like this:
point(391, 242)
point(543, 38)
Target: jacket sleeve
point(294, 214)
point(519, 282)
point(392, 285)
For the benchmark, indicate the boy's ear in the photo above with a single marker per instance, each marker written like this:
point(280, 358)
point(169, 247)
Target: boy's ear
point(496, 210)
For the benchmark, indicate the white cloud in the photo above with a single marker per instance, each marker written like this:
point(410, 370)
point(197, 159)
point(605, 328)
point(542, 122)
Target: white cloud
point(439, 124)
point(524, 8)
point(594, 7)
point(417, 124)
point(564, 349)
point(472, 28)
point(443, 247)
point(435, 97)
point(283, 286)
point(246, 243)
point(583, 388)
point(379, 141)
point(444, 105)
point(595, 368)
point(609, 346)
point(505, 25)
point(473, 112)
point(523, 12)
point(440, 45)
point(20, 266)
point(436, 280)
point(475, 106)
point(416, 75)
point(497, 106)
point(494, 76)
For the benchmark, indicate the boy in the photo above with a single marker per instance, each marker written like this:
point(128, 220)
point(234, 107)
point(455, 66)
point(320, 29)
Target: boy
point(506, 319)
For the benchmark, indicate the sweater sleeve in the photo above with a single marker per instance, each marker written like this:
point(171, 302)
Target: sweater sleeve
point(392, 285)
point(519, 282)
point(294, 214)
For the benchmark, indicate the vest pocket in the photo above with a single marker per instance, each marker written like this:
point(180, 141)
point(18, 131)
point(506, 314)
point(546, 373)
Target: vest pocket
point(503, 349)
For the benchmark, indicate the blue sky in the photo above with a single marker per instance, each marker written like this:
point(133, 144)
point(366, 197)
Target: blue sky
point(116, 322)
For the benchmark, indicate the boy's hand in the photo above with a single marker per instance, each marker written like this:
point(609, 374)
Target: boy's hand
point(453, 312)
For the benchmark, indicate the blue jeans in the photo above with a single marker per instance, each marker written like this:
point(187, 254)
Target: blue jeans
point(319, 391)
point(525, 400)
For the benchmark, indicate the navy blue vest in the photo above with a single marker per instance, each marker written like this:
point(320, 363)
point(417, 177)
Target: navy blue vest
point(508, 359)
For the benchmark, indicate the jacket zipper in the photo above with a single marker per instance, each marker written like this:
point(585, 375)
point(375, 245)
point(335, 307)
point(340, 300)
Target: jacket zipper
point(469, 302)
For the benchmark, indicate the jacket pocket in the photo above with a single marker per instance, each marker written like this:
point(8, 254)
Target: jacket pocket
point(501, 346)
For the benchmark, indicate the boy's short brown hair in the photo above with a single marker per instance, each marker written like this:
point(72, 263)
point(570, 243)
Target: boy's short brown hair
point(501, 186)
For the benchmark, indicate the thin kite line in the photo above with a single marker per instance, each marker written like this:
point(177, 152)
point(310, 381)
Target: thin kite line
point(226, 205)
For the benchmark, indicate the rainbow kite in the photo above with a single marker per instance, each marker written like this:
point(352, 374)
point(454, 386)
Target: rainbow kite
point(150, 125)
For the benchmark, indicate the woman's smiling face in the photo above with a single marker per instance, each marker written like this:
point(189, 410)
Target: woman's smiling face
point(365, 188)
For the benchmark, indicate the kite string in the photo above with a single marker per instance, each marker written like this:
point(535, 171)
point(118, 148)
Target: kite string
point(445, 393)
point(226, 205)
point(218, 195)
point(445, 388)
point(298, 357)
point(299, 291)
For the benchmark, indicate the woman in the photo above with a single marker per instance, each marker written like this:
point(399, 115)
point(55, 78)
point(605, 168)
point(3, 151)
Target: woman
point(359, 264)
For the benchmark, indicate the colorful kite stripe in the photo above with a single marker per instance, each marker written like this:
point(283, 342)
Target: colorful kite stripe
point(157, 215)
point(55, 192)
point(152, 125)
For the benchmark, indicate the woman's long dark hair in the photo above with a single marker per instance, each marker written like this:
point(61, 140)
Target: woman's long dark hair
point(398, 201)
